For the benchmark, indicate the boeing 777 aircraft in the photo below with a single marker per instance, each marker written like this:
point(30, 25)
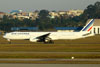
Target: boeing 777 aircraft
point(48, 37)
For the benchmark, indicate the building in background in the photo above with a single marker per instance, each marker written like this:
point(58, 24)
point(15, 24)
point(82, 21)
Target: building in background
point(53, 14)
point(2, 14)
point(70, 13)
point(23, 15)
point(96, 26)
point(73, 13)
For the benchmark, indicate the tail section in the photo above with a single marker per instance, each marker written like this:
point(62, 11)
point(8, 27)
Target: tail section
point(88, 26)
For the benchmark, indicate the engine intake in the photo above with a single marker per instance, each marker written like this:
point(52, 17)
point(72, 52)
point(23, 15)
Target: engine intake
point(33, 40)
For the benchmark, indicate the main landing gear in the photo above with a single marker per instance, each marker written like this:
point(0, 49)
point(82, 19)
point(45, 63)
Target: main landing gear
point(48, 40)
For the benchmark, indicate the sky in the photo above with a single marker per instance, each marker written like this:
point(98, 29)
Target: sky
point(32, 5)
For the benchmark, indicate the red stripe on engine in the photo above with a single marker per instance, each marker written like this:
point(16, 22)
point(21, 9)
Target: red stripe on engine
point(90, 28)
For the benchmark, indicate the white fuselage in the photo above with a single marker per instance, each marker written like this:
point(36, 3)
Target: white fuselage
point(53, 35)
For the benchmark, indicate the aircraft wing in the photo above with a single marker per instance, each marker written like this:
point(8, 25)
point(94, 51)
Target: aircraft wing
point(43, 36)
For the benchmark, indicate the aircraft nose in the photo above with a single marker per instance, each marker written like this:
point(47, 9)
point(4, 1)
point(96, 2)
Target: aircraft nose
point(4, 36)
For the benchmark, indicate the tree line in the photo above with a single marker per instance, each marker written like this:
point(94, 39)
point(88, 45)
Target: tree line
point(44, 22)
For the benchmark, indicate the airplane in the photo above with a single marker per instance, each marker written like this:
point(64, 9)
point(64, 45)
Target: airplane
point(48, 37)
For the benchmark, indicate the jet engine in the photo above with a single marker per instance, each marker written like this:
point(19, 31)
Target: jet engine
point(33, 40)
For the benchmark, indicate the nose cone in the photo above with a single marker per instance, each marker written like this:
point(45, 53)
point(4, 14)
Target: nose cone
point(4, 36)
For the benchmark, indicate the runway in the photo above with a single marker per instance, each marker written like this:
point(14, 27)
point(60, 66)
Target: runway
point(97, 60)
point(51, 52)
point(49, 65)
point(47, 44)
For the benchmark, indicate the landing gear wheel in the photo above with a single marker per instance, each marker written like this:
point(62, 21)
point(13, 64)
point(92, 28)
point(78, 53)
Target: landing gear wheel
point(48, 40)
point(9, 41)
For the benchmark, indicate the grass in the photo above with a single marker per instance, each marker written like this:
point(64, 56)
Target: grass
point(48, 56)
point(50, 47)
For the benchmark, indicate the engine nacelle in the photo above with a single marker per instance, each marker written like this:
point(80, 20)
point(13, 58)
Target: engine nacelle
point(34, 40)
